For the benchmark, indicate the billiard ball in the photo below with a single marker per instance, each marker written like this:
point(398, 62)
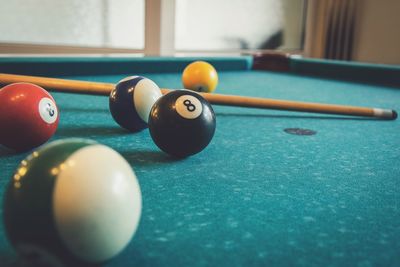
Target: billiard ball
point(28, 116)
point(131, 100)
point(72, 202)
point(182, 123)
point(200, 76)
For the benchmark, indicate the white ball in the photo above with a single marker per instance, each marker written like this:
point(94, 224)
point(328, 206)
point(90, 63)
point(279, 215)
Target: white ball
point(146, 94)
point(96, 203)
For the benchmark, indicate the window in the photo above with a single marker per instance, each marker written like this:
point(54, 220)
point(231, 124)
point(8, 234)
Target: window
point(229, 24)
point(92, 23)
point(119, 25)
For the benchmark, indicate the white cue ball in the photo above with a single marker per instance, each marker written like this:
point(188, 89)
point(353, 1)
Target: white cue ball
point(97, 203)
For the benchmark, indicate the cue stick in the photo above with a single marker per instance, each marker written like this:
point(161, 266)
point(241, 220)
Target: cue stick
point(96, 88)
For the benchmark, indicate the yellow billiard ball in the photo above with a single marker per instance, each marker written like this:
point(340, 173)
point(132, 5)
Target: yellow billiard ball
point(200, 76)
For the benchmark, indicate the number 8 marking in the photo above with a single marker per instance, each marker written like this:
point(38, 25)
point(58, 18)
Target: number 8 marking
point(189, 106)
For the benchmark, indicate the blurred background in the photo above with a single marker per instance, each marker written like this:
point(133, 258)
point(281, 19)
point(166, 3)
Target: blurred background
point(359, 30)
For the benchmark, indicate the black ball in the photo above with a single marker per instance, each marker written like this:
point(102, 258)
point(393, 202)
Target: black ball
point(182, 123)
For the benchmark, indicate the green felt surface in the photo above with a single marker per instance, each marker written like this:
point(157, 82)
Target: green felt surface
point(257, 196)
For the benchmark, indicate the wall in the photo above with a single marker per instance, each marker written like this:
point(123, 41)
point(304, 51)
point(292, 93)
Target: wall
point(377, 34)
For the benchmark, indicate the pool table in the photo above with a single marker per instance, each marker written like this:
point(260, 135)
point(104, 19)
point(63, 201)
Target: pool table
point(273, 188)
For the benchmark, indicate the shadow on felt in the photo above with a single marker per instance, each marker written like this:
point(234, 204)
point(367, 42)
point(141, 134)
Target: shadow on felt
point(4, 151)
point(148, 157)
point(84, 110)
point(90, 131)
point(9, 259)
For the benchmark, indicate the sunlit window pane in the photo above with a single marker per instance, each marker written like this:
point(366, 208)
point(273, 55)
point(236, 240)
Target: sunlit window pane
point(237, 24)
point(100, 23)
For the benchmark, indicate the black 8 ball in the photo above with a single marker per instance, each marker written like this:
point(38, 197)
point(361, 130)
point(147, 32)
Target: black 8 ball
point(182, 123)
